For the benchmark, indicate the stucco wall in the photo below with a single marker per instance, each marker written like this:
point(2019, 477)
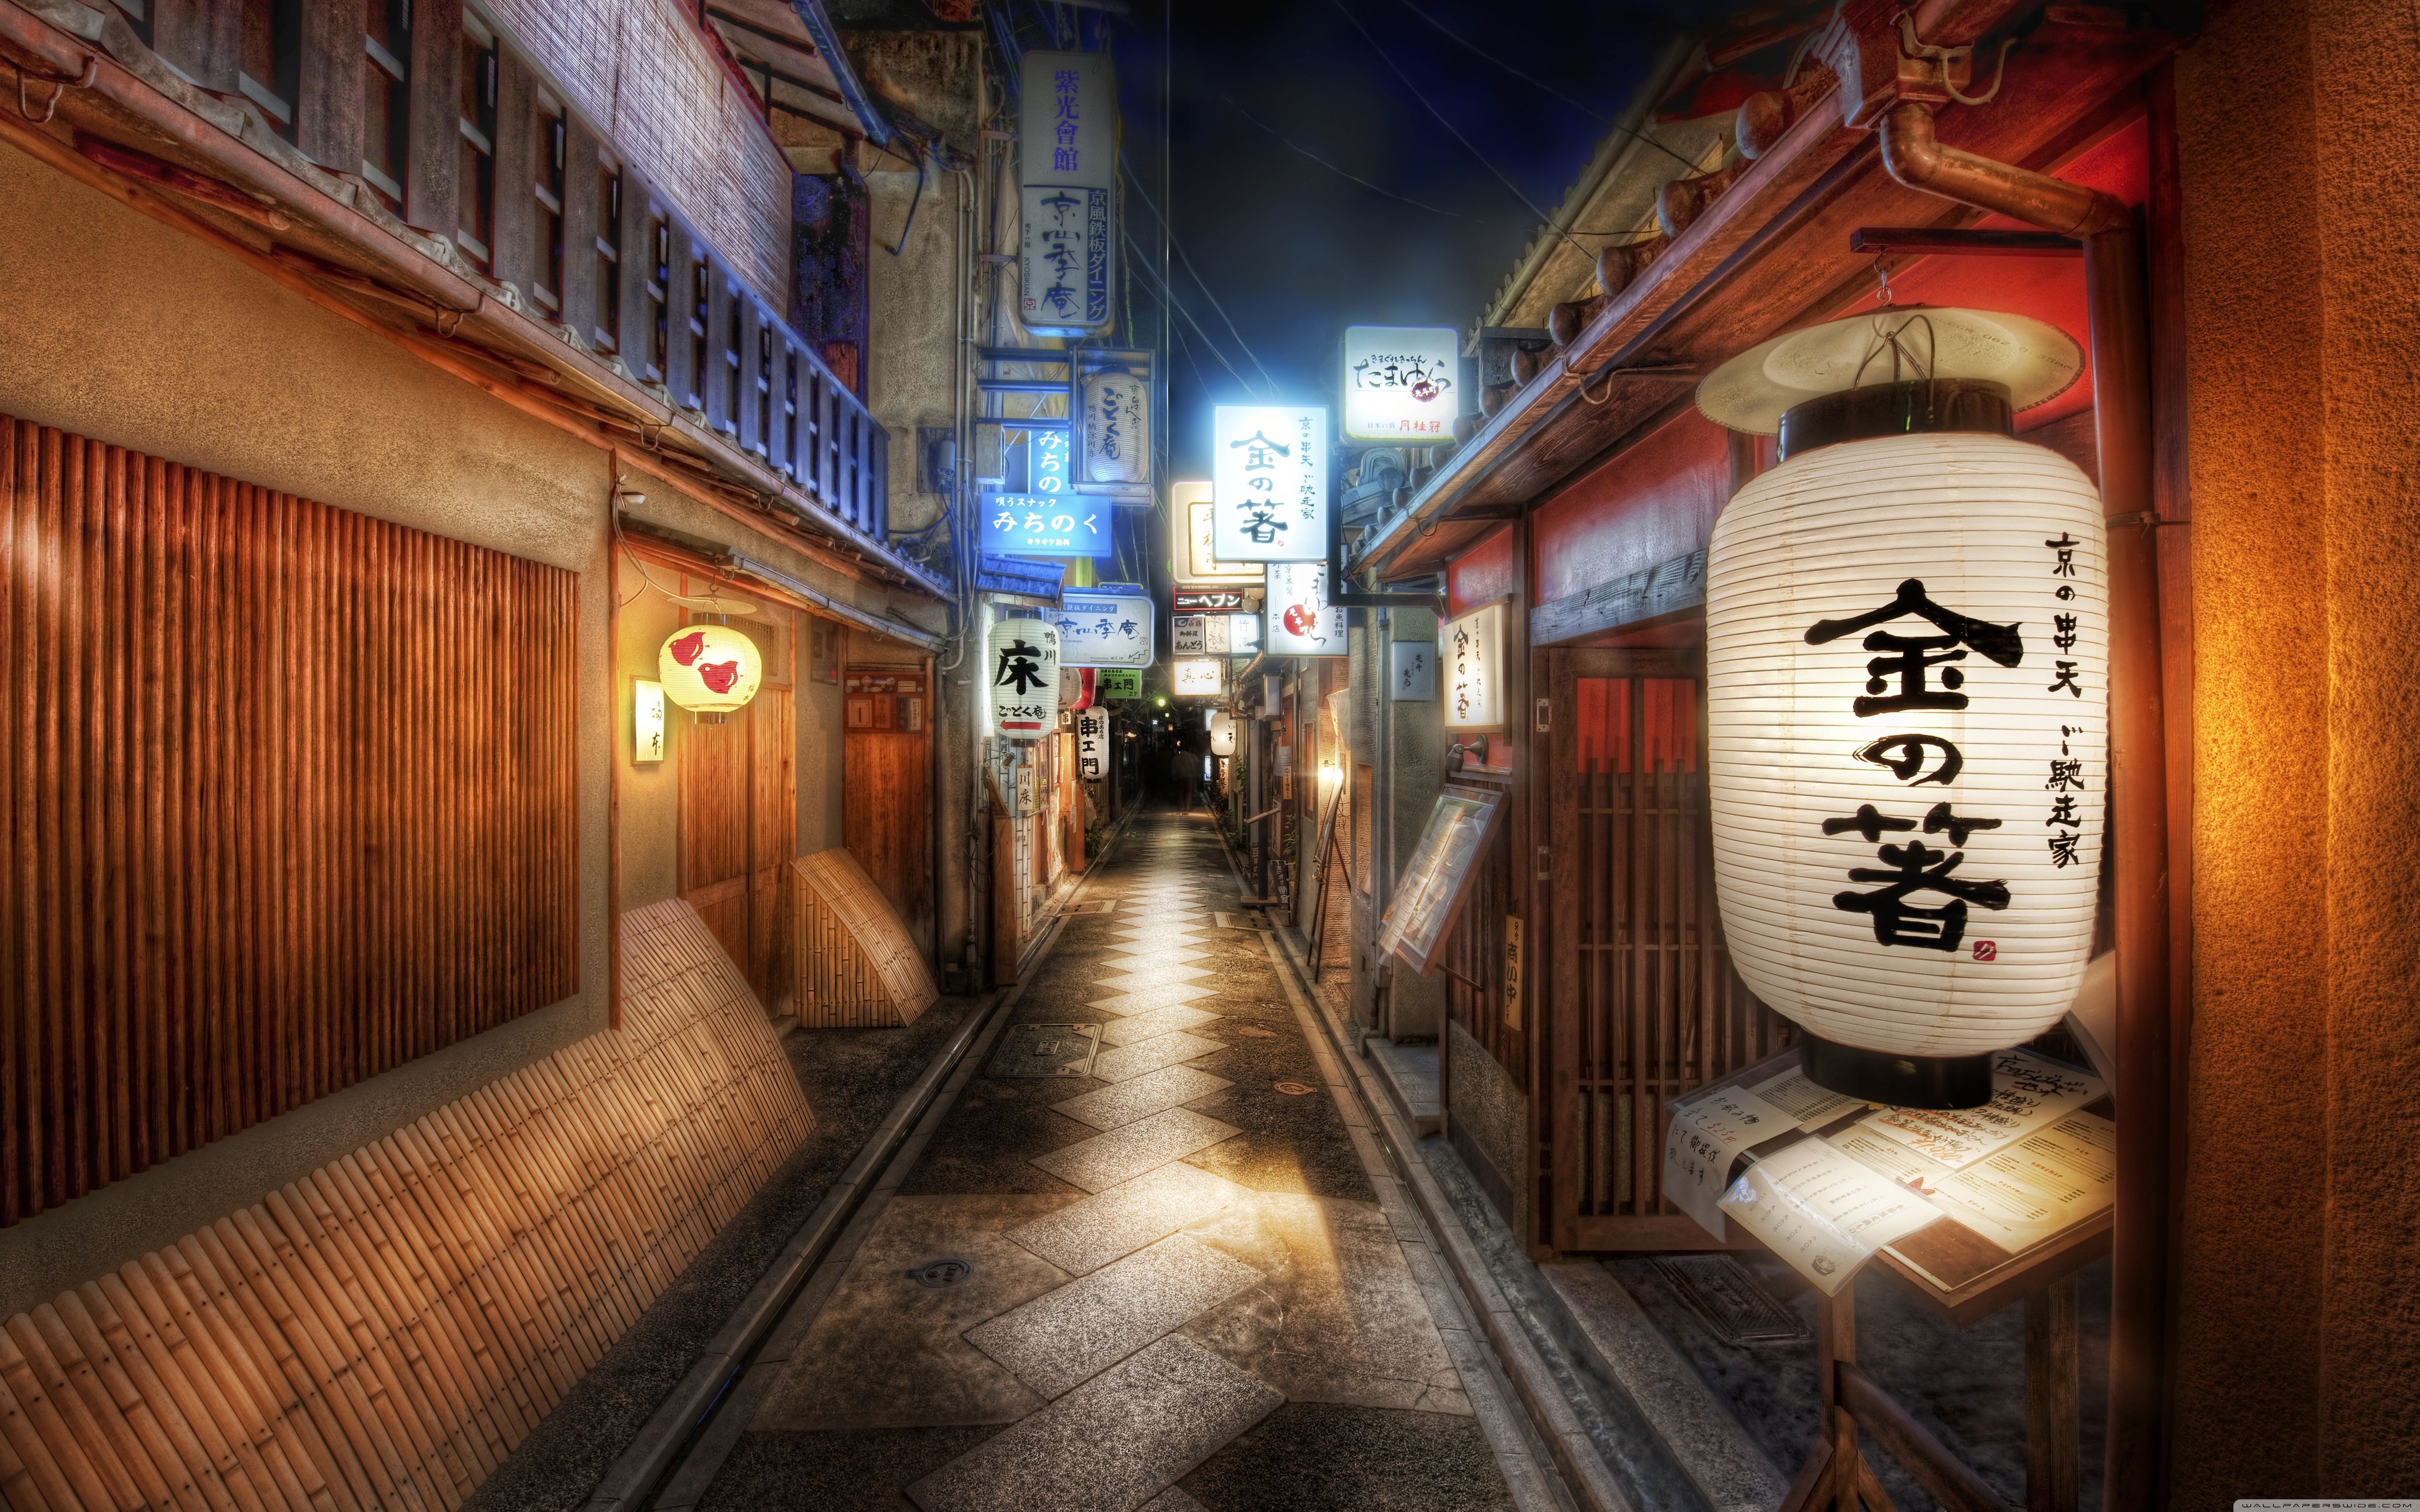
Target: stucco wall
point(123, 330)
point(2297, 1327)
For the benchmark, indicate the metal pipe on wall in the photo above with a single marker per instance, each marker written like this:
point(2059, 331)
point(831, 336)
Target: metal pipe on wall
point(2138, 809)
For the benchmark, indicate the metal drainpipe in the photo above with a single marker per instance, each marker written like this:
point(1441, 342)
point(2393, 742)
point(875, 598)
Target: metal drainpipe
point(2138, 829)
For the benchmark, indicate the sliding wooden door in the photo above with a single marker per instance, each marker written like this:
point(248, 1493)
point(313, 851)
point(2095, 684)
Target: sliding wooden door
point(1643, 1000)
point(738, 832)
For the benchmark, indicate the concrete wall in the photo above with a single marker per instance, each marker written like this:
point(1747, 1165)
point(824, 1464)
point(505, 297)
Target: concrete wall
point(2296, 1323)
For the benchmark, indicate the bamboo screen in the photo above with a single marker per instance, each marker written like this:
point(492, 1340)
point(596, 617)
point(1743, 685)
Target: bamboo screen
point(645, 76)
point(291, 800)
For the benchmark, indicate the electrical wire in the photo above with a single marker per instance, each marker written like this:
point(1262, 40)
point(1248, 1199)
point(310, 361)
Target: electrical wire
point(1440, 118)
point(1484, 55)
point(1343, 173)
point(1169, 295)
point(1186, 258)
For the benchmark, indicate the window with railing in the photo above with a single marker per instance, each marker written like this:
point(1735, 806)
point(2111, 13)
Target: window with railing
point(270, 72)
point(609, 258)
point(552, 149)
point(659, 298)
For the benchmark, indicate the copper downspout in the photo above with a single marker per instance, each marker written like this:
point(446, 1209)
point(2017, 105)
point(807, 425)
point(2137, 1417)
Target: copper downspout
point(2138, 812)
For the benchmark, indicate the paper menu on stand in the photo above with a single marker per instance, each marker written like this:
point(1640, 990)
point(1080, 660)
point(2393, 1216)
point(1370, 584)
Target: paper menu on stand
point(1822, 1212)
point(2029, 1092)
point(1812, 1106)
point(1707, 1134)
point(2045, 1182)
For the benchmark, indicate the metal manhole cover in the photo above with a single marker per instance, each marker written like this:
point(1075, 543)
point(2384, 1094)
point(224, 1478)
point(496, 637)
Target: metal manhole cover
point(1294, 1089)
point(1731, 1301)
point(938, 1274)
point(1048, 1050)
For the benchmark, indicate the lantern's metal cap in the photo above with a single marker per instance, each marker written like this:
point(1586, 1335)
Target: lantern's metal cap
point(2034, 361)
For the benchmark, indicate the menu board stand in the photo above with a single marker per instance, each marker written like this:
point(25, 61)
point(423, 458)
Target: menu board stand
point(1957, 1273)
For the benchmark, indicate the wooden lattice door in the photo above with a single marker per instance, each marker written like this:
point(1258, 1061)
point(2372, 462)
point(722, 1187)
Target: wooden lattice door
point(738, 830)
point(1642, 997)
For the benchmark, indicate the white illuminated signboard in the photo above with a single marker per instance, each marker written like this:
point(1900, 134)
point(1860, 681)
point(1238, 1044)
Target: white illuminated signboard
point(1204, 676)
point(1066, 120)
point(1198, 561)
point(1301, 623)
point(1269, 483)
point(1471, 647)
point(1399, 383)
point(1107, 627)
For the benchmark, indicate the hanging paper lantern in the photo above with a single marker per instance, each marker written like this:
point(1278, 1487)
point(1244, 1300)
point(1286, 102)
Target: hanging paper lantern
point(1021, 661)
point(1222, 734)
point(1907, 696)
point(709, 669)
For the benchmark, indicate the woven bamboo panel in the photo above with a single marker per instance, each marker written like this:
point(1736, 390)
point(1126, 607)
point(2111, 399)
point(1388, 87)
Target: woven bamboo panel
point(382, 1333)
point(858, 969)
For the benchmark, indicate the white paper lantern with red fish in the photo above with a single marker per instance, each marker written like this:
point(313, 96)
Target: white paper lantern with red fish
point(709, 669)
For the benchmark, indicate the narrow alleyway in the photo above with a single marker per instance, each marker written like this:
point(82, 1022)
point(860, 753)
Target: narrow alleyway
point(1142, 1261)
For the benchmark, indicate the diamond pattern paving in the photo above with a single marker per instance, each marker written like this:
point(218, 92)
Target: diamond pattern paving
point(1062, 1338)
point(1087, 1235)
point(1170, 1087)
point(1127, 1061)
point(1127, 1152)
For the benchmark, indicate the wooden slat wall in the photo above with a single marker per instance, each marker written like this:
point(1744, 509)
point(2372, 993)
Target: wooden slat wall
point(290, 798)
point(383, 1333)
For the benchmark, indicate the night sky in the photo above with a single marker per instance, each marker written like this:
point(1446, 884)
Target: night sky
point(1295, 252)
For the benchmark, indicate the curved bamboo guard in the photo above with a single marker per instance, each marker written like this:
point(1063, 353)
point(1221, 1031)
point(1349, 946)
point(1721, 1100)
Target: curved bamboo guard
point(382, 1333)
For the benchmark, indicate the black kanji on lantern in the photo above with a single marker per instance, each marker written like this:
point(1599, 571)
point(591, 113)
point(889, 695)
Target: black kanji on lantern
point(1916, 867)
point(1020, 671)
point(1909, 657)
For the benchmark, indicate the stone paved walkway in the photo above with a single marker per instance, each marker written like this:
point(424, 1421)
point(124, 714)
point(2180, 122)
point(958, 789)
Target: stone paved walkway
point(1173, 1276)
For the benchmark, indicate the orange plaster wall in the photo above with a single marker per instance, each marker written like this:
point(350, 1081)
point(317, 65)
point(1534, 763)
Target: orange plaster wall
point(2298, 1322)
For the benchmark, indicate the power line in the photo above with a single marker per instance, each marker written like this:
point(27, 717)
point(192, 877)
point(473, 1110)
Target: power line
point(1186, 258)
point(1167, 297)
point(1482, 53)
point(1439, 117)
point(1342, 173)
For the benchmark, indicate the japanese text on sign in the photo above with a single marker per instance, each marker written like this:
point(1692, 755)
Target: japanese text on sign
point(1270, 492)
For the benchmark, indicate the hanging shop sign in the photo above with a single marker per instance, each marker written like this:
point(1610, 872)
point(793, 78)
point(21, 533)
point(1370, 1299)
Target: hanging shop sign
point(1398, 383)
point(1117, 683)
point(1413, 671)
point(1196, 599)
point(1215, 635)
point(1270, 487)
point(1117, 430)
point(883, 699)
point(1038, 525)
point(1206, 676)
point(1907, 693)
point(1199, 561)
point(1022, 660)
point(1111, 625)
point(1066, 119)
point(709, 669)
point(1092, 744)
point(1473, 648)
point(1075, 683)
point(1301, 622)
point(1066, 255)
point(1222, 733)
point(647, 722)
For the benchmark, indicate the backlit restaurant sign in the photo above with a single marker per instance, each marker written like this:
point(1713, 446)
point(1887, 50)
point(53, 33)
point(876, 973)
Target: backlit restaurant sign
point(1117, 429)
point(1021, 664)
point(1067, 252)
point(1215, 635)
point(1195, 600)
point(1301, 623)
point(1199, 563)
point(1195, 678)
point(1110, 626)
point(1092, 744)
point(1067, 110)
point(1472, 651)
point(1269, 485)
point(1398, 383)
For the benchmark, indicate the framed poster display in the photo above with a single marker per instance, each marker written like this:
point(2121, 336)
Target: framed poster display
point(1438, 882)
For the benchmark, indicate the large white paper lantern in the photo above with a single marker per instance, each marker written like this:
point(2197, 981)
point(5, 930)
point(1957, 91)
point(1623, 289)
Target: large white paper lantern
point(1021, 664)
point(709, 669)
point(1222, 734)
point(1907, 699)
point(1907, 688)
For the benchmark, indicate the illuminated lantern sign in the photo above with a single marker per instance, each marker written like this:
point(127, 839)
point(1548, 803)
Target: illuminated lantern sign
point(1075, 683)
point(1907, 689)
point(1199, 560)
point(1065, 260)
point(1472, 648)
point(1021, 662)
point(1117, 429)
point(1398, 383)
point(1045, 525)
point(1066, 117)
point(1270, 482)
point(1222, 734)
point(1301, 623)
point(1110, 626)
point(709, 669)
point(1092, 744)
point(1206, 676)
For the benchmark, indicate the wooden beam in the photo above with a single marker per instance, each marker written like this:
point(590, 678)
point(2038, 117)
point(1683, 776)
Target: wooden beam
point(1666, 588)
point(1936, 241)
